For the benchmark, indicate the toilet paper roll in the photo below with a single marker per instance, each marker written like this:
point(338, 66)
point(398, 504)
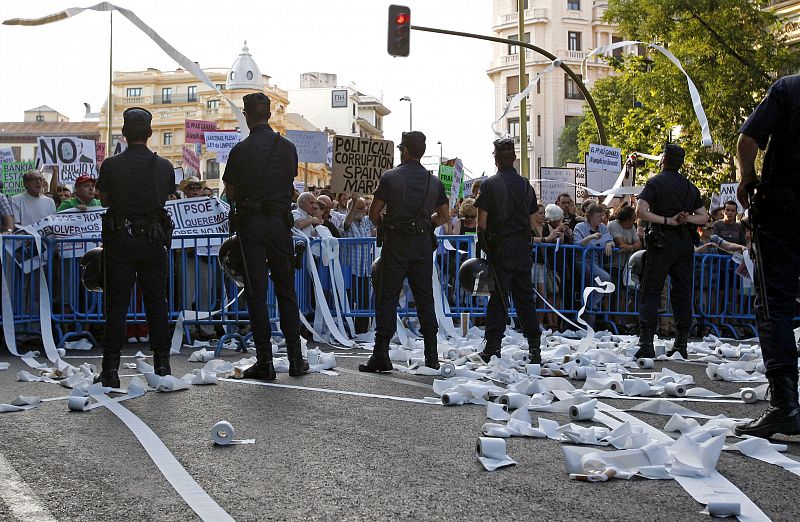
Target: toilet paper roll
point(78, 403)
point(675, 390)
point(616, 387)
point(760, 368)
point(452, 354)
point(222, 433)
point(533, 369)
point(582, 361)
point(514, 400)
point(447, 370)
point(491, 447)
point(523, 357)
point(724, 509)
point(660, 349)
point(646, 364)
point(584, 411)
point(453, 399)
point(749, 395)
point(578, 373)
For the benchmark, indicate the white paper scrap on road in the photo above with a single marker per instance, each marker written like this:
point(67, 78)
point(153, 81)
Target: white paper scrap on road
point(491, 452)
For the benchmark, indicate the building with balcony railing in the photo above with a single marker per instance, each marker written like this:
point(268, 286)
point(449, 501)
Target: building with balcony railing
point(789, 13)
point(567, 28)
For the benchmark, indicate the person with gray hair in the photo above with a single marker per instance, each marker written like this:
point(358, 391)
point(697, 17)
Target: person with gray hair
point(31, 205)
point(303, 215)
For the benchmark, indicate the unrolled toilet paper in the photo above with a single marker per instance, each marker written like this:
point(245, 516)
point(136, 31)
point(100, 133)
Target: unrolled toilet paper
point(491, 452)
point(675, 389)
point(584, 411)
point(77, 403)
point(223, 434)
point(578, 373)
point(646, 364)
point(724, 509)
point(453, 399)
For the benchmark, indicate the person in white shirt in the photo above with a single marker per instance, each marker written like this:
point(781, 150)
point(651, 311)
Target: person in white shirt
point(304, 219)
point(31, 206)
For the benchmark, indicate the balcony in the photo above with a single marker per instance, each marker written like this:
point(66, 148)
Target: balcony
point(157, 100)
point(536, 14)
point(572, 56)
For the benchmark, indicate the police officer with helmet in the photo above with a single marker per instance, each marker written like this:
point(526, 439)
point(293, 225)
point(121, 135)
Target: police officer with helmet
point(506, 207)
point(409, 195)
point(774, 125)
point(137, 231)
point(671, 207)
point(258, 181)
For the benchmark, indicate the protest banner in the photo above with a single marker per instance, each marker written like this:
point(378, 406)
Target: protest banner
point(553, 181)
point(580, 180)
point(221, 143)
point(196, 129)
point(299, 186)
point(119, 144)
point(446, 174)
point(74, 157)
point(99, 152)
point(178, 174)
point(727, 192)
point(7, 155)
point(603, 165)
point(458, 181)
point(358, 163)
point(312, 146)
point(12, 176)
point(190, 159)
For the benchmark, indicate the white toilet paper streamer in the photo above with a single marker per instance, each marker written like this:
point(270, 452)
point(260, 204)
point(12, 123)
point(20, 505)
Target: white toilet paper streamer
point(336, 392)
point(491, 452)
point(224, 434)
point(203, 505)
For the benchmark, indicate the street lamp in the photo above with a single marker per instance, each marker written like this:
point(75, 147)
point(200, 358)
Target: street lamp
point(441, 158)
point(410, 112)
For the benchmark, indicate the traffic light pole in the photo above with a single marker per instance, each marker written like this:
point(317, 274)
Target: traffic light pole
point(601, 130)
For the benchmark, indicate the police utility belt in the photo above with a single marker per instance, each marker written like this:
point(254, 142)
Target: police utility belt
point(156, 227)
point(250, 208)
point(407, 226)
point(659, 236)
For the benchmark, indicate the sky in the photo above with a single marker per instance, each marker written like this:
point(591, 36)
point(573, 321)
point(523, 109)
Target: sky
point(66, 63)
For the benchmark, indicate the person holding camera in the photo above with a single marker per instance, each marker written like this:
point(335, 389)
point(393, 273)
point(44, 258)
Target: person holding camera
point(671, 206)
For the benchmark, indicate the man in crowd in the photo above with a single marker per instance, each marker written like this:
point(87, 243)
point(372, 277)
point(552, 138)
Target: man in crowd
point(564, 200)
point(304, 219)
point(192, 187)
point(625, 236)
point(31, 205)
point(84, 195)
point(340, 212)
point(6, 214)
point(775, 121)
point(357, 257)
point(325, 203)
point(728, 229)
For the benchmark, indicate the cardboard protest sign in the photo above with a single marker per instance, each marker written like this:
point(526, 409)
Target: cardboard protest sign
point(358, 163)
point(554, 181)
point(12, 176)
point(457, 188)
point(727, 192)
point(446, 174)
point(7, 155)
point(196, 129)
point(74, 157)
point(312, 146)
point(580, 180)
point(221, 143)
point(119, 144)
point(178, 175)
point(100, 152)
point(190, 159)
point(603, 165)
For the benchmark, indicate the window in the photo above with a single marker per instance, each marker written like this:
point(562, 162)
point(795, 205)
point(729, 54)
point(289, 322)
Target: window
point(166, 95)
point(539, 86)
point(212, 104)
point(133, 92)
point(513, 128)
point(212, 169)
point(40, 117)
point(514, 49)
point(512, 85)
point(167, 140)
point(191, 93)
point(573, 41)
point(17, 152)
point(571, 90)
point(617, 52)
point(249, 75)
point(220, 86)
point(574, 5)
point(538, 124)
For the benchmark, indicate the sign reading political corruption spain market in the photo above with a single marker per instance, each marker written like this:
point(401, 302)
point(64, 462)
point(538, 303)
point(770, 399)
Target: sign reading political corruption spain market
point(74, 157)
point(358, 164)
point(312, 146)
point(195, 130)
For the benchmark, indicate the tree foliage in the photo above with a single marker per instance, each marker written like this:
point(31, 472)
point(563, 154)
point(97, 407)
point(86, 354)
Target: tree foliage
point(567, 150)
point(733, 51)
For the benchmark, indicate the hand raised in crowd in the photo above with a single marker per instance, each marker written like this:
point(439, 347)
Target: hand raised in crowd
point(609, 248)
point(81, 207)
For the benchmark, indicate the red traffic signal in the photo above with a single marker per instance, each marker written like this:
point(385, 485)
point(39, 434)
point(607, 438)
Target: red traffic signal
point(399, 34)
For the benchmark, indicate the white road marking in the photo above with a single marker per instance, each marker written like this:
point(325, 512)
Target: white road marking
point(19, 497)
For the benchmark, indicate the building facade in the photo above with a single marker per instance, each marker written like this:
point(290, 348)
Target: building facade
point(339, 109)
point(568, 29)
point(175, 96)
point(789, 13)
point(22, 136)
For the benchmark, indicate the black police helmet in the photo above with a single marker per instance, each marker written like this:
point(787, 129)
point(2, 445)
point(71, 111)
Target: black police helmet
point(92, 272)
point(475, 277)
point(231, 261)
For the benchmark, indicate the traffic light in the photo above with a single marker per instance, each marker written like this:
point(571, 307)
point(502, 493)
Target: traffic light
point(399, 30)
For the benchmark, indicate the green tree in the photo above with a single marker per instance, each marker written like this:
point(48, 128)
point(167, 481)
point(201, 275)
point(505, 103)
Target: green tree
point(733, 51)
point(567, 150)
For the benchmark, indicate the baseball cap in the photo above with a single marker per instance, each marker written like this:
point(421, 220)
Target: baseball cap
point(84, 179)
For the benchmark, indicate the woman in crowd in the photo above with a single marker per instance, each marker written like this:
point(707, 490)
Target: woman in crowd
point(593, 233)
point(544, 279)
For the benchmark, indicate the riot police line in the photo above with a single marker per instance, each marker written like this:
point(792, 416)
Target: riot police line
point(198, 284)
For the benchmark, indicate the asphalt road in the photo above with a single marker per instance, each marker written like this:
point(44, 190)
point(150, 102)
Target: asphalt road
point(324, 456)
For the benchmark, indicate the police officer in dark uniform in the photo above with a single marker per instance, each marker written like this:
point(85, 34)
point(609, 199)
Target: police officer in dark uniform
point(134, 186)
point(776, 121)
point(671, 206)
point(505, 209)
point(409, 194)
point(258, 181)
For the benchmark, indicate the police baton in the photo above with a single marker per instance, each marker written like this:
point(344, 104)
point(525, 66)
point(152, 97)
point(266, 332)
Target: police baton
point(755, 247)
point(234, 225)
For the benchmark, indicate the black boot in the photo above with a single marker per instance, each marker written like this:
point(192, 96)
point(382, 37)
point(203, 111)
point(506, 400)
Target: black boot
point(432, 352)
point(297, 365)
point(161, 362)
point(492, 348)
point(646, 349)
point(109, 375)
point(379, 361)
point(263, 369)
point(535, 349)
point(680, 346)
point(783, 414)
